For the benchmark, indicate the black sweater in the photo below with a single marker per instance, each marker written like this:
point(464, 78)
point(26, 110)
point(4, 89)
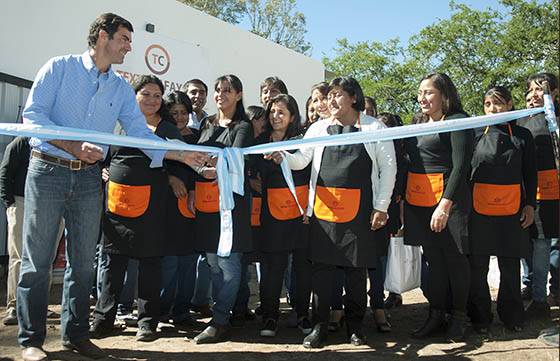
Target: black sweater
point(13, 170)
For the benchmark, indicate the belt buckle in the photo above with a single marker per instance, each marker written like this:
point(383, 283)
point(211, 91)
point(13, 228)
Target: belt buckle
point(75, 164)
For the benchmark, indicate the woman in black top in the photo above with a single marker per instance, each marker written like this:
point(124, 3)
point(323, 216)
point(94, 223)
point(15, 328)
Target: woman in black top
point(504, 184)
point(228, 128)
point(179, 263)
point(437, 204)
point(134, 219)
point(282, 221)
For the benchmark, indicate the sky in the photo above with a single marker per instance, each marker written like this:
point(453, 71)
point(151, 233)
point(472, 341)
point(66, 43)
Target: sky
point(367, 20)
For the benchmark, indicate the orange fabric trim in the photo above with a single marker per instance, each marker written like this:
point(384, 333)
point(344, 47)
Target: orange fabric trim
point(282, 205)
point(207, 197)
point(256, 211)
point(496, 199)
point(183, 209)
point(548, 188)
point(337, 205)
point(126, 200)
point(424, 190)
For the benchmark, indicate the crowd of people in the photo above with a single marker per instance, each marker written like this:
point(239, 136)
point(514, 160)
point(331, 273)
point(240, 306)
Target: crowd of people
point(151, 219)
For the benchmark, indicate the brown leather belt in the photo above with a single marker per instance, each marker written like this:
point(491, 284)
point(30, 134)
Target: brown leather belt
point(72, 164)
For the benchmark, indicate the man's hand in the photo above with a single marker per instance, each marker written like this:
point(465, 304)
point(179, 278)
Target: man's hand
point(84, 151)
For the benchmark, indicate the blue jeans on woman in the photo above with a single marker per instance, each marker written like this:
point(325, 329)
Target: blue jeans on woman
point(53, 192)
point(203, 286)
point(178, 275)
point(535, 268)
point(226, 277)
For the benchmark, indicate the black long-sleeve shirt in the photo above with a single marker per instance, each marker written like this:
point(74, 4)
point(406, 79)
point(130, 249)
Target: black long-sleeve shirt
point(13, 170)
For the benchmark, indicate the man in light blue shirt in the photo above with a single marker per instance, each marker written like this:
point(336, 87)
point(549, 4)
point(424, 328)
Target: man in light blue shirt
point(64, 179)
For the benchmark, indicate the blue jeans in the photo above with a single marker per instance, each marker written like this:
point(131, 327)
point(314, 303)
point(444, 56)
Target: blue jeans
point(535, 269)
point(554, 265)
point(226, 276)
point(53, 192)
point(203, 286)
point(178, 276)
point(126, 299)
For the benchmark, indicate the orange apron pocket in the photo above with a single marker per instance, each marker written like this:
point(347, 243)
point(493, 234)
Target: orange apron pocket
point(183, 209)
point(128, 201)
point(256, 211)
point(282, 205)
point(207, 197)
point(337, 205)
point(548, 188)
point(424, 190)
point(496, 199)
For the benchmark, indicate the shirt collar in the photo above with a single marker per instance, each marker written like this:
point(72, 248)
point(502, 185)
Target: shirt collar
point(90, 66)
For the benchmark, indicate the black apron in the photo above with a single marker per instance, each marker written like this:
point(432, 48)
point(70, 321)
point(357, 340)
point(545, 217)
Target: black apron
point(179, 221)
point(498, 195)
point(429, 169)
point(340, 232)
point(207, 221)
point(134, 219)
point(546, 214)
point(281, 220)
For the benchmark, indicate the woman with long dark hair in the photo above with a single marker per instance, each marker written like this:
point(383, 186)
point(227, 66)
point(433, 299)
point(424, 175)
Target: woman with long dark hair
point(504, 186)
point(437, 205)
point(133, 222)
point(227, 128)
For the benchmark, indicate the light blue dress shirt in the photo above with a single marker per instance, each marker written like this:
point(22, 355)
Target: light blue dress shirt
point(70, 91)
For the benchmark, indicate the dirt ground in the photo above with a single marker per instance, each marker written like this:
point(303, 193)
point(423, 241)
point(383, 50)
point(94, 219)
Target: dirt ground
point(247, 345)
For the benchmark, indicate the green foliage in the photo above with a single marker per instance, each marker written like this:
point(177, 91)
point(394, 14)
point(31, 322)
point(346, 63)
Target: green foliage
point(275, 20)
point(476, 48)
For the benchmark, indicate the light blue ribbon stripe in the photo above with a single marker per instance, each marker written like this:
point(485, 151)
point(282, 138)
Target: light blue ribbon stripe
point(230, 165)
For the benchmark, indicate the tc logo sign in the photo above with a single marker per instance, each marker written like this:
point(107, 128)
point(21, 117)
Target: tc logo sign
point(157, 59)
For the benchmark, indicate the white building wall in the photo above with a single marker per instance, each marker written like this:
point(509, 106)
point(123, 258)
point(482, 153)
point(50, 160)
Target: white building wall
point(32, 31)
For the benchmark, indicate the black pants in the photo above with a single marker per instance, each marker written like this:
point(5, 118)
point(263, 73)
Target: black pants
point(510, 305)
point(355, 299)
point(449, 275)
point(273, 268)
point(302, 269)
point(149, 285)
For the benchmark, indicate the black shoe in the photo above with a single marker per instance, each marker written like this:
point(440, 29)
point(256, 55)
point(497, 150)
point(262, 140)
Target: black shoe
point(304, 325)
point(270, 328)
point(433, 325)
point(526, 293)
point(259, 311)
point(85, 348)
point(186, 321)
point(317, 337)
point(393, 300)
point(514, 327)
point(250, 315)
point(383, 326)
point(205, 311)
point(457, 326)
point(98, 331)
point(335, 326)
point(358, 339)
point(212, 334)
point(146, 334)
point(537, 310)
point(481, 329)
point(237, 320)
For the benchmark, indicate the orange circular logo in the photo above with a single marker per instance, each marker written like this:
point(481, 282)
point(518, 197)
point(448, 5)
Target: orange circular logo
point(157, 59)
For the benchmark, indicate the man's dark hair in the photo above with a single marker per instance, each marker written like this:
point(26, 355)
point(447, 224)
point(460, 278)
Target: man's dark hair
point(195, 82)
point(108, 22)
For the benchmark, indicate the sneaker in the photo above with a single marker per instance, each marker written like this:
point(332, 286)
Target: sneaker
point(11, 317)
point(145, 334)
point(212, 334)
point(270, 328)
point(304, 325)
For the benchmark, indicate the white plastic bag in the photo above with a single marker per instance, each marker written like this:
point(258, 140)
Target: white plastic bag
point(404, 265)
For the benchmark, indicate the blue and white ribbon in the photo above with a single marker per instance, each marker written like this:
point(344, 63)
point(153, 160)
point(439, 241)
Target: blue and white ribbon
point(229, 169)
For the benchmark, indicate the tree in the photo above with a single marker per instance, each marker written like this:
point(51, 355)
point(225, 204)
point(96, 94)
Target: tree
point(275, 20)
point(476, 48)
point(278, 21)
point(230, 11)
